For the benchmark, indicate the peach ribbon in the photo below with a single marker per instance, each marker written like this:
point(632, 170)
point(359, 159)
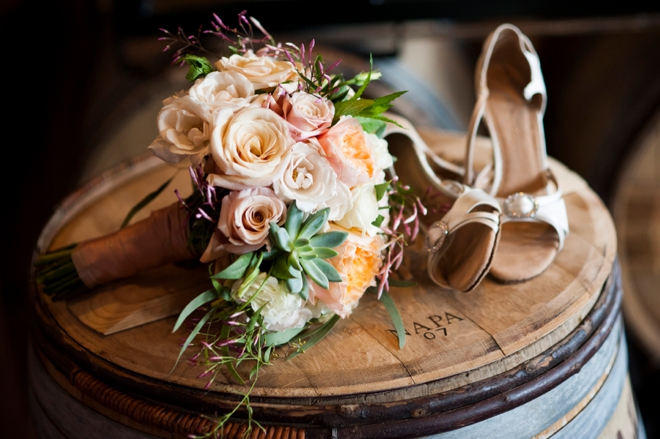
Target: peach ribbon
point(160, 239)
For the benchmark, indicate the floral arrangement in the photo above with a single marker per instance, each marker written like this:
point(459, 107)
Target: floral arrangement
point(293, 209)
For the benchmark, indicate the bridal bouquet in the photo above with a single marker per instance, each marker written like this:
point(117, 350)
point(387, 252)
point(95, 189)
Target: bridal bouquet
point(295, 208)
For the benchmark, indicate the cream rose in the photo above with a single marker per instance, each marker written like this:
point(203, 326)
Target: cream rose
point(309, 180)
point(222, 89)
point(251, 148)
point(364, 212)
point(358, 262)
point(382, 156)
point(349, 152)
point(244, 222)
point(282, 309)
point(261, 71)
point(183, 131)
point(307, 115)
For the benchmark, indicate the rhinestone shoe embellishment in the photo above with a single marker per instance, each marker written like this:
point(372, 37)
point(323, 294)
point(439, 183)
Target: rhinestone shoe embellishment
point(520, 205)
point(443, 229)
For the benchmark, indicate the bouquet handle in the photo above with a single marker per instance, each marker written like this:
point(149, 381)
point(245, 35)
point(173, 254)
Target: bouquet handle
point(160, 239)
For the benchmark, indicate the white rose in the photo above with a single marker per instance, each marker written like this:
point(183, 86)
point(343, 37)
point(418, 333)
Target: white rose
point(382, 156)
point(340, 203)
point(283, 310)
point(309, 179)
point(244, 222)
point(184, 132)
point(364, 212)
point(220, 89)
point(251, 148)
point(261, 71)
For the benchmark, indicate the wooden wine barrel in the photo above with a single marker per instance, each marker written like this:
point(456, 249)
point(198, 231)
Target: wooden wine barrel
point(542, 358)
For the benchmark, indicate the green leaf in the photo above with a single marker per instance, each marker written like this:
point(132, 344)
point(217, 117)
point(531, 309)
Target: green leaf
point(292, 261)
point(280, 237)
point(318, 336)
point(371, 125)
point(350, 108)
point(315, 273)
point(324, 253)
point(280, 338)
point(301, 242)
point(253, 320)
point(237, 269)
point(304, 291)
point(224, 335)
point(329, 239)
point(193, 334)
point(199, 66)
point(295, 284)
point(294, 218)
point(328, 270)
point(146, 200)
point(393, 311)
point(401, 283)
point(314, 223)
point(202, 299)
point(267, 353)
point(281, 268)
point(381, 189)
point(378, 221)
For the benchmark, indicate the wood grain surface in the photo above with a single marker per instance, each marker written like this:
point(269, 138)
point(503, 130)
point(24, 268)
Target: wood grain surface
point(454, 338)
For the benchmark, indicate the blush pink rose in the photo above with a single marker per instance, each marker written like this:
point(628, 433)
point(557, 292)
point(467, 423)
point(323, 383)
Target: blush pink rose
point(244, 222)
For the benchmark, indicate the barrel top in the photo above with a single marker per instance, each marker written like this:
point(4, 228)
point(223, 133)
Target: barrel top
point(453, 338)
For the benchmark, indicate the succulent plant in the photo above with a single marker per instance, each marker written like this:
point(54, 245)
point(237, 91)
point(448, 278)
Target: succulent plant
point(299, 250)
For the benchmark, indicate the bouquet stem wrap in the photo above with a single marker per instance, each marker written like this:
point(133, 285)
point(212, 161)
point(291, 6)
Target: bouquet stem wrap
point(160, 239)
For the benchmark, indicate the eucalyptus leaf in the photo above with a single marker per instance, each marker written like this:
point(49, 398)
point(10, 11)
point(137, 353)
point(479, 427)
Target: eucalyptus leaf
point(318, 336)
point(237, 268)
point(202, 299)
point(393, 311)
point(329, 239)
point(283, 337)
point(315, 273)
point(328, 270)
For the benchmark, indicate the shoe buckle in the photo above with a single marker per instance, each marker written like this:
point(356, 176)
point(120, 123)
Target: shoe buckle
point(520, 205)
point(441, 227)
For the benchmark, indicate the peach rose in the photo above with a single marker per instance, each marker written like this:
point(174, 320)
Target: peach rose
point(250, 148)
point(350, 152)
point(358, 263)
point(244, 222)
point(261, 71)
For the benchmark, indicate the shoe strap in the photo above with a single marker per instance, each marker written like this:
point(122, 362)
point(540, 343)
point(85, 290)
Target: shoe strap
point(550, 209)
point(440, 235)
point(461, 214)
point(535, 86)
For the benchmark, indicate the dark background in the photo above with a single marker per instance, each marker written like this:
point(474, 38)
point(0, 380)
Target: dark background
point(68, 64)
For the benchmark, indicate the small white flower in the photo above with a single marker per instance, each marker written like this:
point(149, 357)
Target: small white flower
point(283, 310)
